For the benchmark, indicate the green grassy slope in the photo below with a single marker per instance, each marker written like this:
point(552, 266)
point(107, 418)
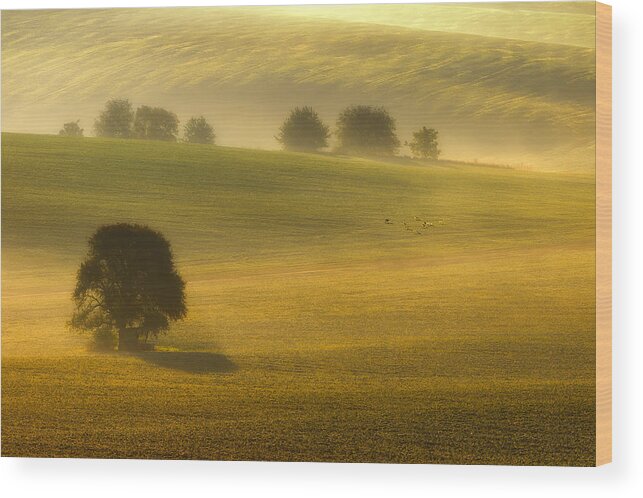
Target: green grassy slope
point(494, 99)
point(315, 330)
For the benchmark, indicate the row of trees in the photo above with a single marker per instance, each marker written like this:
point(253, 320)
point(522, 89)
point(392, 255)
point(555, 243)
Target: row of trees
point(119, 120)
point(360, 129)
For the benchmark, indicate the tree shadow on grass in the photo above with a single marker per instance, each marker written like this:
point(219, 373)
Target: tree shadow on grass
point(190, 361)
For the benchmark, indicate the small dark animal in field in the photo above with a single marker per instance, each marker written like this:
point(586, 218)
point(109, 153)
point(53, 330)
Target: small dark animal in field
point(388, 221)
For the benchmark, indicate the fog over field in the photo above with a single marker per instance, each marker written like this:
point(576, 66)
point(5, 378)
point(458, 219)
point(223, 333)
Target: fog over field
point(334, 304)
point(511, 86)
point(315, 330)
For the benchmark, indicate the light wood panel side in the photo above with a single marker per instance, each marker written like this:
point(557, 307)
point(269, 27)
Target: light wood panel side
point(603, 234)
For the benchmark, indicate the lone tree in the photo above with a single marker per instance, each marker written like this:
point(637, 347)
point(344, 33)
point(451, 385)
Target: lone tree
point(128, 283)
point(198, 131)
point(71, 129)
point(155, 123)
point(367, 130)
point(116, 120)
point(303, 130)
point(425, 143)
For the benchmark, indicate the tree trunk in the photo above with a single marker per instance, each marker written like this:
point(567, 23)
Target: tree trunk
point(128, 340)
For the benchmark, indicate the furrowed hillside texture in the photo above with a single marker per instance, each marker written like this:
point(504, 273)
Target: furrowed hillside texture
point(521, 94)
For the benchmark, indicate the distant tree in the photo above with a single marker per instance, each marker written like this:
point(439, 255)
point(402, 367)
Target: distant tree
point(128, 284)
point(71, 129)
point(367, 130)
point(303, 130)
point(155, 123)
point(116, 120)
point(198, 131)
point(425, 143)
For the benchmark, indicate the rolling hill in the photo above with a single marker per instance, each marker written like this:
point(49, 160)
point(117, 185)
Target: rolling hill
point(565, 23)
point(494, 97)
point(316, 330)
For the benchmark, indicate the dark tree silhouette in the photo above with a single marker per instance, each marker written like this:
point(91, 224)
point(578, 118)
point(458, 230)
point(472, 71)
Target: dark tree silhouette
point(198, 131)
point(425, 143)
point(71, 129)
point(155, 123)
point(128, 283)
point(303, 130)
point(116, 120)
point(367, 130)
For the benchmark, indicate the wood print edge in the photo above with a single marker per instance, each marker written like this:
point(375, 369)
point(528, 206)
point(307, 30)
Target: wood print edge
point(603, 234)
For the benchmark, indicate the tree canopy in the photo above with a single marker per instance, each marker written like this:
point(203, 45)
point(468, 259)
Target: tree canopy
point(198, 131)
point(71, 129)
point(425, 143)
point(115, 120)
point(128, 283)
point(367, 130)
point(155, 123)
point(303, 130)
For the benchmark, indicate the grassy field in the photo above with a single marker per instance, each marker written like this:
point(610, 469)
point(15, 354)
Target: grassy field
point(504, 85)
point(315, 330)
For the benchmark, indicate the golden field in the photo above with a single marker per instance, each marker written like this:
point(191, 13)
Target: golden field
point(315, 330)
